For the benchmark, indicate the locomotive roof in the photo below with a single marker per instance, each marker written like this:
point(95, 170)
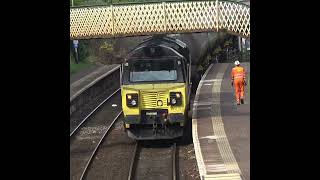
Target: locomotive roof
point(161, 40)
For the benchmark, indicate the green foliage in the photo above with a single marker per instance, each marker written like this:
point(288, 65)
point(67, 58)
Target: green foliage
point(83, 49)
point(74, 68)
point(217, 50)
point(199, 68)
point(108, 47)
point(84, 62)
point(208, 59)
point(228, 43)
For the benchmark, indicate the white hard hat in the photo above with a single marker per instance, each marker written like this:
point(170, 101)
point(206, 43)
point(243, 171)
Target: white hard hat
point(236, 63)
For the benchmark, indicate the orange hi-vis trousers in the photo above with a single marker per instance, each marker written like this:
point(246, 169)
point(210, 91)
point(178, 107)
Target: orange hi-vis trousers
point(238, 78)
point(239, 89)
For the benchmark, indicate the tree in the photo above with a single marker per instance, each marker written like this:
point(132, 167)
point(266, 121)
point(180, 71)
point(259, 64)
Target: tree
point(228, 43)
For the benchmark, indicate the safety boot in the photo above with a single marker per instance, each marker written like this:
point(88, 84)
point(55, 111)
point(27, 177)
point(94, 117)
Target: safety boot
point(242, 101)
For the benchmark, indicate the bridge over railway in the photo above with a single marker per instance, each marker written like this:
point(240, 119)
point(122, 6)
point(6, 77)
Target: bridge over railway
point(159, 18)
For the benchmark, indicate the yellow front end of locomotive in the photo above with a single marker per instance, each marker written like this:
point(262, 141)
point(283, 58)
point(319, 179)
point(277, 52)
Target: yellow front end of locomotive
point(138, 98)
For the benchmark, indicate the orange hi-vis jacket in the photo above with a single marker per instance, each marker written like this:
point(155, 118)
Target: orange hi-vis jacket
point(238, 73)
point(238, 76)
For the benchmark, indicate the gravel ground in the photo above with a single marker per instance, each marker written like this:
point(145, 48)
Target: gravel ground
point(187, 163)
point(154, 161)
point(113, 158)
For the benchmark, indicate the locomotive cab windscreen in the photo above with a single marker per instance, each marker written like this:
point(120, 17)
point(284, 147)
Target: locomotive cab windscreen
point(154, 70)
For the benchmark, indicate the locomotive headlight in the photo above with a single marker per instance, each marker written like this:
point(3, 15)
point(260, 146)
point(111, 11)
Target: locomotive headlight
point(129, 96)
point(159, 103)
point(133, 103)
point(173, 101)
point(175, 98)
point(132, 100)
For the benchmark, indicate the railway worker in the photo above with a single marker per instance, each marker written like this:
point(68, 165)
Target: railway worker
point(238, 76)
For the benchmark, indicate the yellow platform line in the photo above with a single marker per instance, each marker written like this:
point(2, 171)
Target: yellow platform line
point(218, 128)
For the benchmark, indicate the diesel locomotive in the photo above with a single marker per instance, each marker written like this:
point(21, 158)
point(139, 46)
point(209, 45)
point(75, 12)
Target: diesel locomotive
point(155, 89)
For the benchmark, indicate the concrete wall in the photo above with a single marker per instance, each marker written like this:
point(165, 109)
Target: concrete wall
point(91, 97)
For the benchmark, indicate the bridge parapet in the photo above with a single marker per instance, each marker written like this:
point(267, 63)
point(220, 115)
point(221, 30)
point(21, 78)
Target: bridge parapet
point(159, 18)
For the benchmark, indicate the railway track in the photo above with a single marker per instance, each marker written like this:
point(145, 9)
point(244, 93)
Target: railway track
point(153, 163)
point(88, 135)
point(76, 127)
point(98, 150)
point(84, 172)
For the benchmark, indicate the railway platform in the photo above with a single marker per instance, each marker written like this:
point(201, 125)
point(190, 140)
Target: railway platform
point(88, 80)
point(220, 127)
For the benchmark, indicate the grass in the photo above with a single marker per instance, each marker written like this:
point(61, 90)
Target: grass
point(74, 68)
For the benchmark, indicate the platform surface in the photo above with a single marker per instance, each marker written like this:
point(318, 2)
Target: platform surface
point(221, 129)
point(87, 81)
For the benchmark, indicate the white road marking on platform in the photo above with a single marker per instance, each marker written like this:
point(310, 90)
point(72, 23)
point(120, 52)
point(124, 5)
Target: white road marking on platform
point(211, 80)
point(209, 137)
point(196, 143)
point(205, 103)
